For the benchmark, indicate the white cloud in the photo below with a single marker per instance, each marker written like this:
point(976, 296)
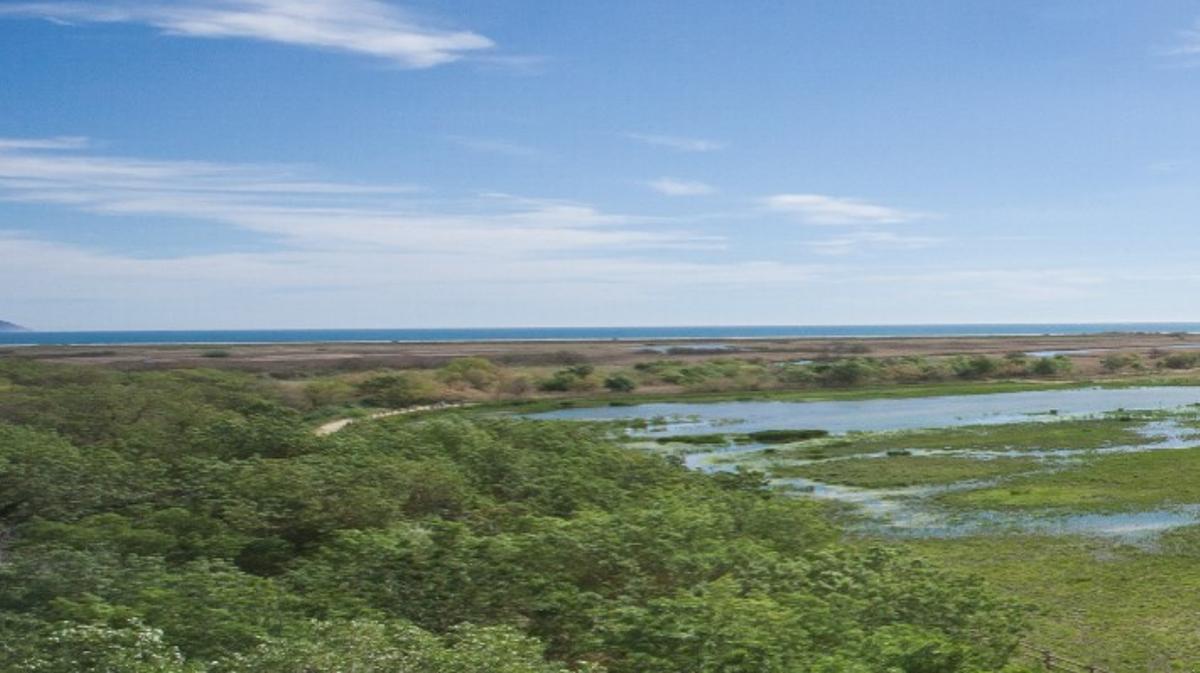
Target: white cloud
point(1168, 166)
point(369, 27)
point(821, 209)
point(675, 187)
point(864, 240)
point(1188, 47)
point(678, 142)
point(497, 146)
point(59, 143)
point(311, 214)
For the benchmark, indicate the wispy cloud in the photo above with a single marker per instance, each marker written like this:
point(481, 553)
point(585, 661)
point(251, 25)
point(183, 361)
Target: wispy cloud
point(1185, 51)
point(871, 240)
point(676, 187)
point(1168, 166)
point(822, 209)
point(497, 146)
point(680, 143)
point(369, 27)
point(1189, 42)
point(282, 201)
point(58, 143)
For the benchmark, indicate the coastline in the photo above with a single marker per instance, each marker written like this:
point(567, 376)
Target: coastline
point(578, 335)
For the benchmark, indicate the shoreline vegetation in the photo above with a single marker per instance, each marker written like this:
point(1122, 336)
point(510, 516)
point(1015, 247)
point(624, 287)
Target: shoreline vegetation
point(185, 503)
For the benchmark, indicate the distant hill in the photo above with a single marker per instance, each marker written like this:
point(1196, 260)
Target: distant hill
point(11, 327)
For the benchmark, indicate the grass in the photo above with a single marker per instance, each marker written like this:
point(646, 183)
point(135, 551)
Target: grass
point(1088, 433)
point(903, 470)
point(1105, 483)
point(1118, 607)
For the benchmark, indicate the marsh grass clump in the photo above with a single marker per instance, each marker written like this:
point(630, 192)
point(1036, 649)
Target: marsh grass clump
point(899, 470)
point(694, 439)
point(785, 436)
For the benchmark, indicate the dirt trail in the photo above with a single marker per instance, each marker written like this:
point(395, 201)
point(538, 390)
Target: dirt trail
point(334, 426)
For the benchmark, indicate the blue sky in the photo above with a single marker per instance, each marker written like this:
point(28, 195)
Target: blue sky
point(359, 163)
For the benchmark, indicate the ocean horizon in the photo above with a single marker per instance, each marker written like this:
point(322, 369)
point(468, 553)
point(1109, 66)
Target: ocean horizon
point(643, 333)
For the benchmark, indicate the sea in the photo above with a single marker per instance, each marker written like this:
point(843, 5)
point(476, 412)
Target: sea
point(634, 334)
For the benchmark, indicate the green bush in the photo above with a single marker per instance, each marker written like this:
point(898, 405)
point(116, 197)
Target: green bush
point(395, 390)
point(1054, 366)
point(477, 373)
point(974, 367)
point(619, 383)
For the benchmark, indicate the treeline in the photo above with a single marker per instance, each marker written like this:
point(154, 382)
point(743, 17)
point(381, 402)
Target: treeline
point(188, 522)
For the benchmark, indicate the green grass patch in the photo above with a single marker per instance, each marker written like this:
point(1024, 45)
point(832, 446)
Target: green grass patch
point(1089, 433)
point(1118, 607)
point(903, 470)
point(1105, 483)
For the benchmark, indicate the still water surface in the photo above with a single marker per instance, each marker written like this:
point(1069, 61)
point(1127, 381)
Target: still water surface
point(887, 414)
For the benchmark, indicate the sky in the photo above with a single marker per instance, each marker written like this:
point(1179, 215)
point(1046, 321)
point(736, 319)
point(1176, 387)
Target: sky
point(223, 164)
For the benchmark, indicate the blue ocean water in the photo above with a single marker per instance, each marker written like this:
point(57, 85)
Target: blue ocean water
point(573, 333)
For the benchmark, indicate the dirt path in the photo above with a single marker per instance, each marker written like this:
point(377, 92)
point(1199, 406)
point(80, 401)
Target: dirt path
point(334, 426)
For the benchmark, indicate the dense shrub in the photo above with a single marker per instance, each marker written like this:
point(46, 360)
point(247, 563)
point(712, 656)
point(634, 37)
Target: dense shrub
point(202, 535)
point(395, 390)
point(619, 383)
point(1118, 361)
point(477, 373)
point(1054, 366)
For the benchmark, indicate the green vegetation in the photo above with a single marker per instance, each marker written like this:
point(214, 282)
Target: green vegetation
point(1120, 607)
point(1090, 433)
point(841, 371)
point(902, 470)
point(761, 437)
point(619, 383)
point(395, 390)
point(1119, 361)
point(785, 436)
point(702, 440)
point(188, 521)
point(477, 373)
point(577, 378)
point(1114, 482)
